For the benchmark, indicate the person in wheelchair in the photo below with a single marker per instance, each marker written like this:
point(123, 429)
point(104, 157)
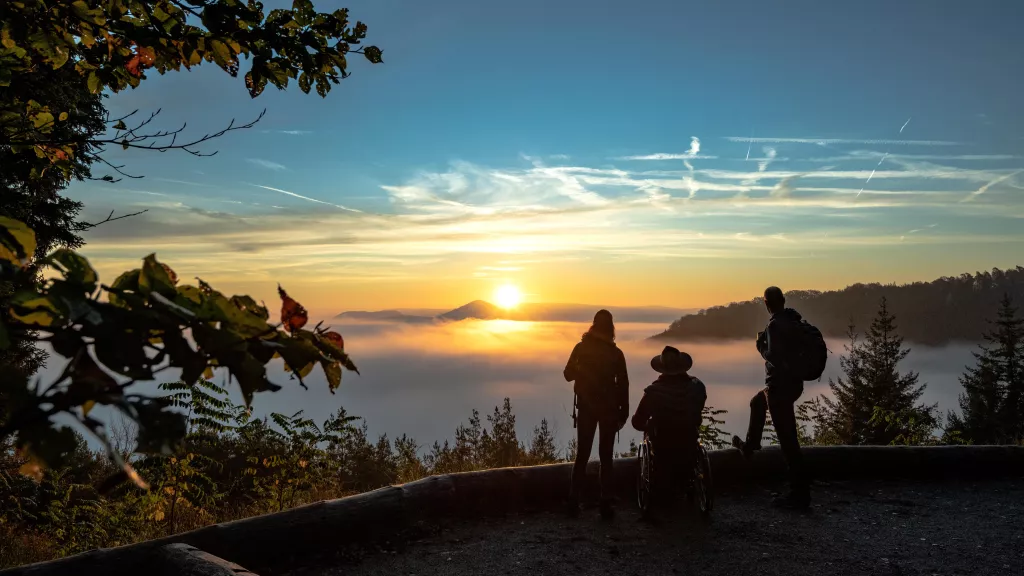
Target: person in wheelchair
point(670, 414)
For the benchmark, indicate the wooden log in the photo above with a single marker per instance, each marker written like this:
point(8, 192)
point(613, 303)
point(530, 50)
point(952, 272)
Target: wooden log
point(281, 538)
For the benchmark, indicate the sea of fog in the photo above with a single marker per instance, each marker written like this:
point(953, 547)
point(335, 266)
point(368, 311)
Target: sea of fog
point(423, 380)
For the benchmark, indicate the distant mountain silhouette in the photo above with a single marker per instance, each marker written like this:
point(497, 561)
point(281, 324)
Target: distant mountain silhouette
point(483, 310)
point(476, 310)
point(945, 310)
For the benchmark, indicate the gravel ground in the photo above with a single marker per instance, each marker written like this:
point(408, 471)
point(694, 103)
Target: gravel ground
point(880, 528)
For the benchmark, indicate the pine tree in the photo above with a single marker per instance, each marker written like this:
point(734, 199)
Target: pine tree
point(992, 403)
point(542, 448)
point(500, 446)
point(875, 403)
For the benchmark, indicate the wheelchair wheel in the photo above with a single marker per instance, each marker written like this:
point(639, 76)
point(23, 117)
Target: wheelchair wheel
point(643, 477)
point(703, 485)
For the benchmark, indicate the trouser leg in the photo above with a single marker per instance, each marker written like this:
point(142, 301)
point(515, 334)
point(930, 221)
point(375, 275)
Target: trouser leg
point(586, 426)
point(606, 451)
point(781, 405)
point(758, 416)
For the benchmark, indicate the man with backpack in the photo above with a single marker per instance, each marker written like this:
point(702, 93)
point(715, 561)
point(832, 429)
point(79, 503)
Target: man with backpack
point(793, 352)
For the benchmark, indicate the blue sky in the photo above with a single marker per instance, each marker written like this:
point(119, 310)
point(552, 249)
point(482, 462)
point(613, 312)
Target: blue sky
point(692, 151)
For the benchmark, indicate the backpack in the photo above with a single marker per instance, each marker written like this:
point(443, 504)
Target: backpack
point(812, 353)
point(595, 373)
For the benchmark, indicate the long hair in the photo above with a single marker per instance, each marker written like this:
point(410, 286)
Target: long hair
point(603, 326)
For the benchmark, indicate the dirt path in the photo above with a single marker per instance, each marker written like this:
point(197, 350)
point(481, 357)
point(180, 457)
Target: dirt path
point(881, 528)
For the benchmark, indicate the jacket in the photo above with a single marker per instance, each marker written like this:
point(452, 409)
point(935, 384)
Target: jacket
point(778, 347)
point(675, 401)
point(598, 370)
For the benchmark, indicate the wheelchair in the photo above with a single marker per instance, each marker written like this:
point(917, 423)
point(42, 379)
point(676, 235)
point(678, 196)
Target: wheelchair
point(699, 486)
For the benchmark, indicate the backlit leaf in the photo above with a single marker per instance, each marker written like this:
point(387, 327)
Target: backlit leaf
point(333, 372)
point(334, 338)
point(293, 314)
point(18, 238)
point(74, 267)
point(35, 310)
point(156, 277)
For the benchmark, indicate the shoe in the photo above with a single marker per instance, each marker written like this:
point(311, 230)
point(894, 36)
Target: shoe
point(740, 445)
point(792, 501)
point(607, 512)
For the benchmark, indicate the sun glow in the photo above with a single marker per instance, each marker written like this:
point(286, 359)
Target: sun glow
point(508, 296)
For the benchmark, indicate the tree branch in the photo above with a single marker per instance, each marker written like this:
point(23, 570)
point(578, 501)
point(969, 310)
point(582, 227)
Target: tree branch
point(110, 218)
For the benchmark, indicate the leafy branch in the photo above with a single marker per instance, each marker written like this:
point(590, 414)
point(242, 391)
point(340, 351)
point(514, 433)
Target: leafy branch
point(148, 323)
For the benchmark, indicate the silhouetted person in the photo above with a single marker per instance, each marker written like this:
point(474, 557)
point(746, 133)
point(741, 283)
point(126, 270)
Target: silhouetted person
point(598, 368)
point(670, 412)
point(779, 345)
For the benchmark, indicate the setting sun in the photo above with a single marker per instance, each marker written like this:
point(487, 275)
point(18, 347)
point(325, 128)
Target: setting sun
point(508, 296)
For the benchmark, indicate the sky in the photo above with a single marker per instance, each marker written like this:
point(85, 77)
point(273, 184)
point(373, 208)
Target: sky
point(657, 153)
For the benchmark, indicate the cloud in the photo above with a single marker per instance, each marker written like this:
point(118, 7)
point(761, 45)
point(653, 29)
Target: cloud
point(984, 188)
point(861, 155)
point(694, 146)
point(289, 132)
point(769, 155)
point(186, 182)
point(784, 189)
point(266, 164)
point(828, 141)
point(305, 197)
point(669, 156)
point(467, 218)
point(692, 154)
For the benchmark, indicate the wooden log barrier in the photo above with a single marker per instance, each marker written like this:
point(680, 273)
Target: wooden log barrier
point(275, 539)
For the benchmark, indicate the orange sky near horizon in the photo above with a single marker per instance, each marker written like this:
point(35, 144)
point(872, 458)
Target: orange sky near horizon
point(597, 280)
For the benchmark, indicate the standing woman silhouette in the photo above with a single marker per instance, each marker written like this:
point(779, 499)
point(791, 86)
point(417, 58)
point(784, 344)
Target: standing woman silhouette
point(598, 369)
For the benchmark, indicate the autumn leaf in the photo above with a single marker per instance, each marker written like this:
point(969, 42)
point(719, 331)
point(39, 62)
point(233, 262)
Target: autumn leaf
point(133, 66)
point(170, 273)
point(293, 314)
point(334, 338)
point(140, 61)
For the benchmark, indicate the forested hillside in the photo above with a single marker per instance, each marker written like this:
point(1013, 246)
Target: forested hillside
point(944, 310)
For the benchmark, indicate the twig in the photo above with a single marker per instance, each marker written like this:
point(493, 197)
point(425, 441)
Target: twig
point(110, 218)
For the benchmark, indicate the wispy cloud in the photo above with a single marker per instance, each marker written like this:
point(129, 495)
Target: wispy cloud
point(829, 141)
point(289, 132)
point(293, 194)
point(669, 156)
point(186, 182)
point(694, 146)
point(785, 188)
point(692, 154)
point(468, 218)
point(769, 156)
point(985, 187)
point(266, 164)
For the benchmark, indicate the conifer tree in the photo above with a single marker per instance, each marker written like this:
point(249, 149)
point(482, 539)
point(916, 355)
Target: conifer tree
point(992, 403)
point(542, 448)
point(874, 403)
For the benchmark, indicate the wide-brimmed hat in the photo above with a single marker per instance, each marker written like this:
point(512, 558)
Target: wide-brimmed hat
point(672, 361)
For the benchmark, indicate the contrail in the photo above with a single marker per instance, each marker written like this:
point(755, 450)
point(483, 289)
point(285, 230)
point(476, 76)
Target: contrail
point(749, 144)
point(990, 184)
point(872, 175)
point(827, 141)
point(306, 198)
point(884, 156)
